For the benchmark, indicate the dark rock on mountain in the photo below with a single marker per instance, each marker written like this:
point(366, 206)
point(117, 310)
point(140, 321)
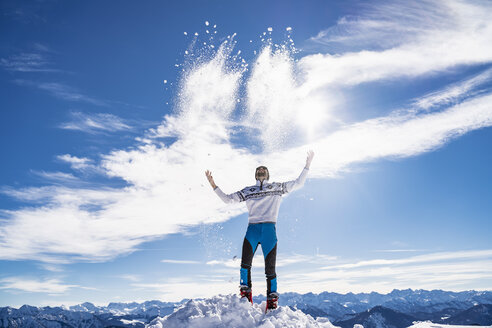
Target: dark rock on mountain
point(378, 317)
point(480, 315)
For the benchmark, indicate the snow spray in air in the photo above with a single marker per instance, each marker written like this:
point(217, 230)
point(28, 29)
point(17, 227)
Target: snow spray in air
point(253, 94)
point(243, 99)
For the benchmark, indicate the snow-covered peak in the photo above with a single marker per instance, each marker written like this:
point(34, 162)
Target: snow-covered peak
point(428, 324)
point(230, 311)
point(84, 307)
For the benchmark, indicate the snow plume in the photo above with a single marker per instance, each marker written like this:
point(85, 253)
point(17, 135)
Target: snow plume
point(270, 97)
point(230, 311)
point(289, 106)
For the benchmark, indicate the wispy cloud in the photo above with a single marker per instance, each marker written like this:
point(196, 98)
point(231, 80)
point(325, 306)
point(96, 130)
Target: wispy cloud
point(130, 277)
point(62, 91)
point(50, 286)
point(451, 271)
point(455, 92)
point(57, 177)
point(433, 257)
point(443, 35)
point(459, 270)
point(384, 24)
point(398, 250)
point(174, 289)
point(51, 267)
point(167, 191)
point(27, 62)
point(94, 123)
point(282, 260)
point(169, 179)
point(76, 163)
point(23, 12)
point(180, 262)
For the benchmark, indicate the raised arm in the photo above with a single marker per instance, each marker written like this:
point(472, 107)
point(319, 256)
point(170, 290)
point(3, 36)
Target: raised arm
point(299, 182)
point(231, 198)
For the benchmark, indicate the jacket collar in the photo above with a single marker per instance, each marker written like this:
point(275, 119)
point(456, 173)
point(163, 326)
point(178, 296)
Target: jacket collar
point(258, 182)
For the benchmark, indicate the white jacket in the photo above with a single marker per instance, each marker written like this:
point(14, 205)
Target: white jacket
point(263, 201)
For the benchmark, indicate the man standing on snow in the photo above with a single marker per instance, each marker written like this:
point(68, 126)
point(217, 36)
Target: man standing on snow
point(263, 203)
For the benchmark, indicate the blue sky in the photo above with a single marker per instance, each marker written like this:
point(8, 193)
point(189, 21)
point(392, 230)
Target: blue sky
point(111, 112)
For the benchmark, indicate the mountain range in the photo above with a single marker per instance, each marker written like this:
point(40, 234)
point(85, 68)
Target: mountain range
point(398, 309)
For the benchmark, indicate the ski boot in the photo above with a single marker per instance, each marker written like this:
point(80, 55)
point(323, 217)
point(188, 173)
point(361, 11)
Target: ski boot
point(246, 293)
point(272, 302)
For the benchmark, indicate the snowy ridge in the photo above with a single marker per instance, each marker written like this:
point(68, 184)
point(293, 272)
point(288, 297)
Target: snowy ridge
point(428, 324)
point(229, 311)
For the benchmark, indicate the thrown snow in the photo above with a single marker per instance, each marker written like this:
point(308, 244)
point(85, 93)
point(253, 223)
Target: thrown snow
point(232, 312)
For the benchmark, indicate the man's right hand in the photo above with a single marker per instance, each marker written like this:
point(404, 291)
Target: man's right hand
point(210, 179)
point(309, 158)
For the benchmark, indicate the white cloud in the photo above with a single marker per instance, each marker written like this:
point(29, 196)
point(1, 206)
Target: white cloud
point(450, 34)
point(282, 260)
point(62, 91)
point(50, 286)
point(457, 271)
point(130, 277)
point(57, 177)
point(27, 62)
point(460, 270)
point(433, 257)
point(398, 250)
point(167, 191)
point(77, 163)
point(51, 267)
point(454, 93)
point(95, 123)
point(174, 289)
point(180, 262)
point(384, 24)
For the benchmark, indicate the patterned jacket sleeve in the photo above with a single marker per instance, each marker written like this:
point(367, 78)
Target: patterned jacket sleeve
point(231, 198)
point(295, 184)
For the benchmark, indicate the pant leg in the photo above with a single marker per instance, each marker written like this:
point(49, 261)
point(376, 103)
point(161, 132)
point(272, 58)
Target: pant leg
point(269, 247)
point(250, 245)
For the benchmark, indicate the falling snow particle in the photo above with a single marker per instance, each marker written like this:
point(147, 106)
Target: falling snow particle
point(206, 23)
point(186, 52)
point(215, 25)
point(165, 81)
point(196, 33)
point(270, 29)
point(288, 28)
point(185, 33)
point(207, 31)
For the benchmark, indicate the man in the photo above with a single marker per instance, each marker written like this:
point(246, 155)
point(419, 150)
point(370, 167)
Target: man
point(263, 203)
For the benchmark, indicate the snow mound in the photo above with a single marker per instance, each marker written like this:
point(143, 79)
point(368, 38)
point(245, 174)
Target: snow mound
point(232, 312)
point(428, 324)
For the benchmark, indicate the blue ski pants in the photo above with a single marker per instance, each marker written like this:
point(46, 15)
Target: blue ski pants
point(266, 235)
